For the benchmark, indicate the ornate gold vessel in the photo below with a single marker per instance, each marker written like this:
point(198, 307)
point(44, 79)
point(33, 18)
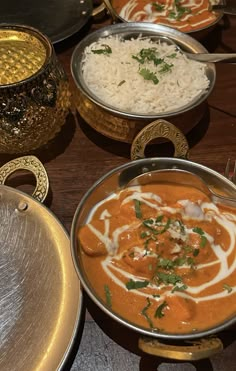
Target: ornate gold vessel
point(34, 90)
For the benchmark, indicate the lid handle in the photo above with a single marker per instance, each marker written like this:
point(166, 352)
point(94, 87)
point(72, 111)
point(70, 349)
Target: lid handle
point(35, 166)
point(159, 129)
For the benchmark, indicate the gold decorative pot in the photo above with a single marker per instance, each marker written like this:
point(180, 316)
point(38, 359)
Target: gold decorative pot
point(34, 90)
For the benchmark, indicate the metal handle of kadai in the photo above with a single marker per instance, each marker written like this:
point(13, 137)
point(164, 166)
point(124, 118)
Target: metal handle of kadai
point(32, 164)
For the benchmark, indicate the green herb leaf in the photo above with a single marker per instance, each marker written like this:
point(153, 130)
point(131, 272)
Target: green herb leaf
point(159, 310)
point(178, 262)
point(106, 50)
point(179, 288)
point(166, 263)
point(173, 55)
point(227, 287)
point(203, 241)
point(134, 285)
point(172, 15)
point(198, 231)
point(165, 67)
point(148, 75)
point(144, 234)
point(159, 219)
point(190, 261)
point(148, 55)
point(108, 296)
point(144, 313)
point(137, 207)
point(195, 252)
point(158, 7)
point(168, 278)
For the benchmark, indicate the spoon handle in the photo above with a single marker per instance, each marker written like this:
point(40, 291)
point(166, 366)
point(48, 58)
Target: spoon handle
point(214, 57)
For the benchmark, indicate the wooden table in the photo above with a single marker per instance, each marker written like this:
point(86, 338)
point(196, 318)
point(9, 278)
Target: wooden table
point(79, 156)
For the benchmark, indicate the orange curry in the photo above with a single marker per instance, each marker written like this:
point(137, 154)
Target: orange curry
point(163, 257)
point(185, 15)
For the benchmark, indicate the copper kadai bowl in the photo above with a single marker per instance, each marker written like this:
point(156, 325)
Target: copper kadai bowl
point(124, 126)
point(34, 90)
point(203, 344)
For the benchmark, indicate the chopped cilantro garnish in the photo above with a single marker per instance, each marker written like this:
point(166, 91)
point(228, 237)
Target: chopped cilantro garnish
point(148, 75)
point(190, 261)
point(227, 287)
point(188, 248)
point(144, 313)
point(173, 55)
point(195, 252)
point(203, 241)
point(179, 288)
point(159, 310)
point(178, 262)
point(134, 285)
point(158, 7)
point(108, 295)
point(168, 278)
point(166, 264)
point(106, 50)
point(198, 231)
point(144, 234)
point(137, 207)
point(159, 219)
point(203, 237)
point(165, 67)
point(150, 55)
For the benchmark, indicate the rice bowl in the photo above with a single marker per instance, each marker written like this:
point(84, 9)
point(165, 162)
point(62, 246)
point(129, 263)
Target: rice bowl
point(142, 75)
point(128, 31)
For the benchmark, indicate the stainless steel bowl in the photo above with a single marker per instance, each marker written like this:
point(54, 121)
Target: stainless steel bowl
point(133, 30)
point(112, 182)
point(121, 125)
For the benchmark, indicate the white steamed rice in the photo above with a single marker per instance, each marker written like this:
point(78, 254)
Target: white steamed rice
point(115, 79)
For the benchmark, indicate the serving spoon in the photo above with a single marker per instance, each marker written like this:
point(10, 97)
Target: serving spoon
point(203, 57)
point(211, 57)
point(180, 177)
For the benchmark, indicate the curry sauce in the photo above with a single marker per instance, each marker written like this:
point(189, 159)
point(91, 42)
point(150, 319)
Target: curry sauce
point(163, 257)
point(185, 15)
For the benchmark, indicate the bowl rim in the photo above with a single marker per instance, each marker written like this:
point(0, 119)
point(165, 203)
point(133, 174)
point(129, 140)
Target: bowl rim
point(42, 38)
point(141, 163)
point(138, 28)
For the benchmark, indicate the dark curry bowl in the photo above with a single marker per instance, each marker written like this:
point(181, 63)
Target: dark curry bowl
point(116, 180)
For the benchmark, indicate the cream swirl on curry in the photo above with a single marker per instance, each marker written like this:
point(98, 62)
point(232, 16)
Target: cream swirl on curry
point(185, 15)
point(163, 256)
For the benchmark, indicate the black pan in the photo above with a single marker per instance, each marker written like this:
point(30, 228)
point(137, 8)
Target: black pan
point(58, 19)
